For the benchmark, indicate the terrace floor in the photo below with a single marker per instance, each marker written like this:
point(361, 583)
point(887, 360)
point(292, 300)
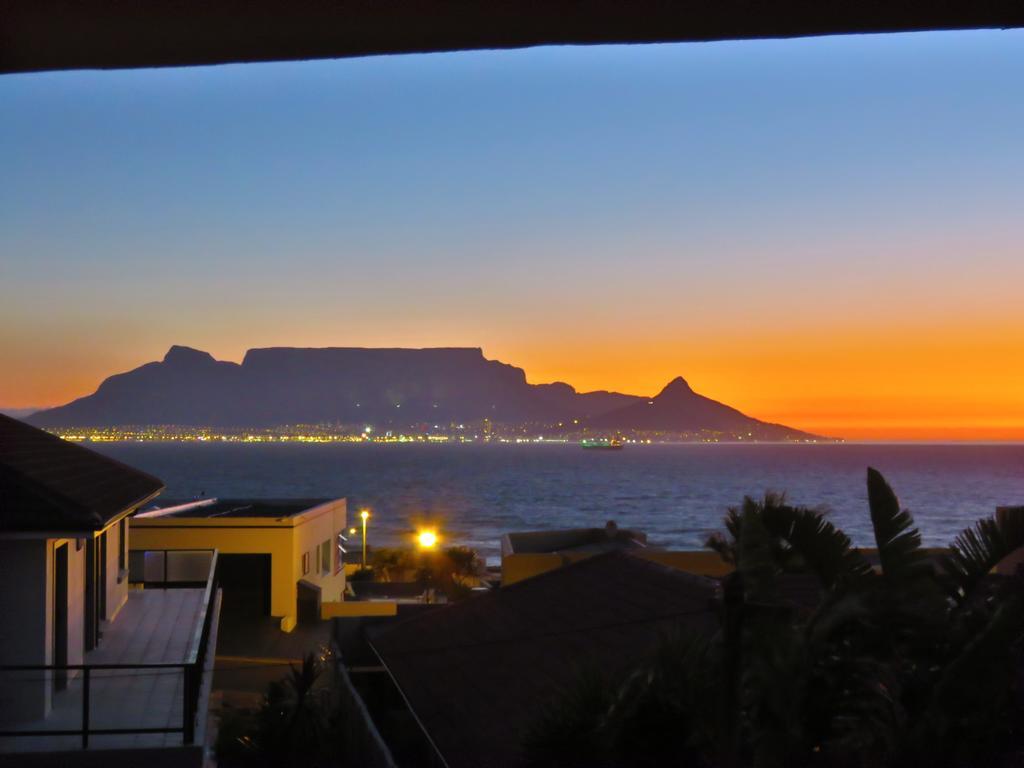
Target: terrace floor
point(154, 626)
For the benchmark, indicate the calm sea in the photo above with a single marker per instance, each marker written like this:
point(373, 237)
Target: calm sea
point(677, 493)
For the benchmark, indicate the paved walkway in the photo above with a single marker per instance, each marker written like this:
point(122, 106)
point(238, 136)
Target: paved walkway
point(154, 626)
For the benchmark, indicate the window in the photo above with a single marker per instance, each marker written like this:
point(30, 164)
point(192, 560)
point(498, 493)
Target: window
point(305, 563)
point(325, 557)
point(339, 554)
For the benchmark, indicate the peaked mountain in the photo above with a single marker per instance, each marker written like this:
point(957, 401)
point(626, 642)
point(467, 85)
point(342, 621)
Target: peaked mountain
point(678, 409)
point(383, 387)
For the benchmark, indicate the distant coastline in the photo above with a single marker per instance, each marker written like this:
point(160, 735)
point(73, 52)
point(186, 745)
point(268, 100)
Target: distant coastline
point(185, 436)
point(461, 434)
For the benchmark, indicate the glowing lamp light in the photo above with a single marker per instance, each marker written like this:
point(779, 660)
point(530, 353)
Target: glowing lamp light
point(364, 514)
point(427, 539)
point(352, 531)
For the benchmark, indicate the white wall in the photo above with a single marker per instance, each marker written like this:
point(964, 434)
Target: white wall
point(117, 587)
point(325, 525)
point(25, 581)
point(76, 606)
point(27, 591)
point(76, 603)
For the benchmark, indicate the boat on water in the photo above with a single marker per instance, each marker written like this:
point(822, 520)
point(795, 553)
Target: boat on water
point(601, 444)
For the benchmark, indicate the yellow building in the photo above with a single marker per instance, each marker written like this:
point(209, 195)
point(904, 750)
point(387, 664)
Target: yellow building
point(279, 558)
point(531, 553)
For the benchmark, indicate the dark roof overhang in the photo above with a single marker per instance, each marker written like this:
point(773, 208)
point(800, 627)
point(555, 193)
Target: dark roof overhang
point(83, 34)
point(50, 484)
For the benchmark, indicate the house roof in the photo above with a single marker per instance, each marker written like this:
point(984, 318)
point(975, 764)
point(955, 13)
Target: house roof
point(575, 540)
point(49, 484)
point(477, 673)
point(273, 508)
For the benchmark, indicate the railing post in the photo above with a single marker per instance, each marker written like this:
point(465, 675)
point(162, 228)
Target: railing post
point(188, 713)
point(85, 708)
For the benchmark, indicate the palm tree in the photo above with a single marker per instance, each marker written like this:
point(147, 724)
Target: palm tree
point(294, 724)
point(911, 662)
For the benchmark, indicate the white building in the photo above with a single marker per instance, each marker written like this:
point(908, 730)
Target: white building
point(89, 667)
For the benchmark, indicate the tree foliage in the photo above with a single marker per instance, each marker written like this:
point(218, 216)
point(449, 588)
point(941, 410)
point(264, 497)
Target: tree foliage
point(296, 726)
point(914, 662)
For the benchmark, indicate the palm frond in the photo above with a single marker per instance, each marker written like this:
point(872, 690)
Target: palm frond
point(734, 517)
point(823, 549)
point(719, 542)
point(725, 548)
point(898, 541)
point(834, 613)
point(755, 561)
point(977, 550)
point(669, 706)
point(570, 730)
point(974, 687)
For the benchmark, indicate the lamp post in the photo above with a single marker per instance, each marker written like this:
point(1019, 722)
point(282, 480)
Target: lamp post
point(365, 515)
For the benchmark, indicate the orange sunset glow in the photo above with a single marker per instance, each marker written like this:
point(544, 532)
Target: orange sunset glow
point(912, 384)
point(843, 257)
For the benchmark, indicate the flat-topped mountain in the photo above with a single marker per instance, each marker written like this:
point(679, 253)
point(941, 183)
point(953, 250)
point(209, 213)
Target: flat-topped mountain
point(394, 387)
point(344, 385)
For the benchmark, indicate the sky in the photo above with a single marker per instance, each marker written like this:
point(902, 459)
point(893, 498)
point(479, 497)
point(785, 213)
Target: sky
point(823, 232)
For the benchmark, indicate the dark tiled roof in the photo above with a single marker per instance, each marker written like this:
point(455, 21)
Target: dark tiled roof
point(49, 484)
point(478, 673)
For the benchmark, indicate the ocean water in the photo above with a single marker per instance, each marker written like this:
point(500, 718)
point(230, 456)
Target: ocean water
point(676, 493)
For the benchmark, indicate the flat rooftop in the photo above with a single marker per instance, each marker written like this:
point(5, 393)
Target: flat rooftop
point(207, 508)
point(589, 540)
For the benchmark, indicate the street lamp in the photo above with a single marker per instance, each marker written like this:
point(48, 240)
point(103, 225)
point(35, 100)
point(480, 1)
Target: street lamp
point(426, 539)
point(365, 514)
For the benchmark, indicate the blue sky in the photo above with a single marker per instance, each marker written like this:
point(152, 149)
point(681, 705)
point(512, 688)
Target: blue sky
point(611, 216)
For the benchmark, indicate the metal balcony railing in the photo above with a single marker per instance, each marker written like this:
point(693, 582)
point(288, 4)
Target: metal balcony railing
point(191, 669)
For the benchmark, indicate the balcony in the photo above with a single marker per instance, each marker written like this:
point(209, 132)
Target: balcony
point(145, 686)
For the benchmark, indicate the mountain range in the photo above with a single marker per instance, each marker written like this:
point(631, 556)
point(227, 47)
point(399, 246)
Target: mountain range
point(396, 387)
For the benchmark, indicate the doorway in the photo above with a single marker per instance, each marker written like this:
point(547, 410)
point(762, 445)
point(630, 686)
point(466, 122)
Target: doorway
point(245, 584)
